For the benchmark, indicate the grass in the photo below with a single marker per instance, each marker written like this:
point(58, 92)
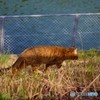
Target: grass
point(82, 75)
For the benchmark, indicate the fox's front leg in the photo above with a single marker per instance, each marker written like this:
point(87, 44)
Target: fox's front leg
point(47, 67)
point(58, 65)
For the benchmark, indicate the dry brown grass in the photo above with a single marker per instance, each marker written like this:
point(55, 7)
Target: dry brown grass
point(82, 75)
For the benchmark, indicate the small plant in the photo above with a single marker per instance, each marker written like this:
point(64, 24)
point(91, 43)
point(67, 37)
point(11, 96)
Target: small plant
point(91, 52)
point(4, 59)
point(90, 71)
point(5, 96)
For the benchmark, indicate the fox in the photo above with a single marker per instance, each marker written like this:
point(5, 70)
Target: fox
point(48, 55)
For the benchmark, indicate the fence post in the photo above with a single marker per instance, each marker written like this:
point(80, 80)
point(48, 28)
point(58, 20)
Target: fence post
point(75, 28)
point(2, 36)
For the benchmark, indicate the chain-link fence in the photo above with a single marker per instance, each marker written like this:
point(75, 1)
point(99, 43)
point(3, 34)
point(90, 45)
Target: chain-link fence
point(20, 32)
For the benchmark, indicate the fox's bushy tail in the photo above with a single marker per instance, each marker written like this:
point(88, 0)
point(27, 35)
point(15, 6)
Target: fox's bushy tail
point(15, 67)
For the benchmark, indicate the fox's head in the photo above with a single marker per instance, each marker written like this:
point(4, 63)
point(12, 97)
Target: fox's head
point(71, 53)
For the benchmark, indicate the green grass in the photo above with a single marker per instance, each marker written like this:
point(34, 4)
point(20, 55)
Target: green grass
point(55, 83)
point(4, 59)
point(5, 96)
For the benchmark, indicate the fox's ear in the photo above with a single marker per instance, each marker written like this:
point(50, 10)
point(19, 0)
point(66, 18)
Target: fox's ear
point(75, 51)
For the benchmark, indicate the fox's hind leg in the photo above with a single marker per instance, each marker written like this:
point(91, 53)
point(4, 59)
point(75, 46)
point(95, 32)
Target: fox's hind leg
point(34, 66)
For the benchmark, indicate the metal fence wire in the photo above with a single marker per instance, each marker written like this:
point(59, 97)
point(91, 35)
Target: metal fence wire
point(20, 32)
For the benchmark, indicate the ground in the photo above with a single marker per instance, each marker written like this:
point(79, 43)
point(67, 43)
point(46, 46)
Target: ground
point(81, 75)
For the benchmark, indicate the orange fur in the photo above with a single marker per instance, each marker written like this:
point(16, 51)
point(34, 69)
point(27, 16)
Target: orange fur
point(48, 55)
